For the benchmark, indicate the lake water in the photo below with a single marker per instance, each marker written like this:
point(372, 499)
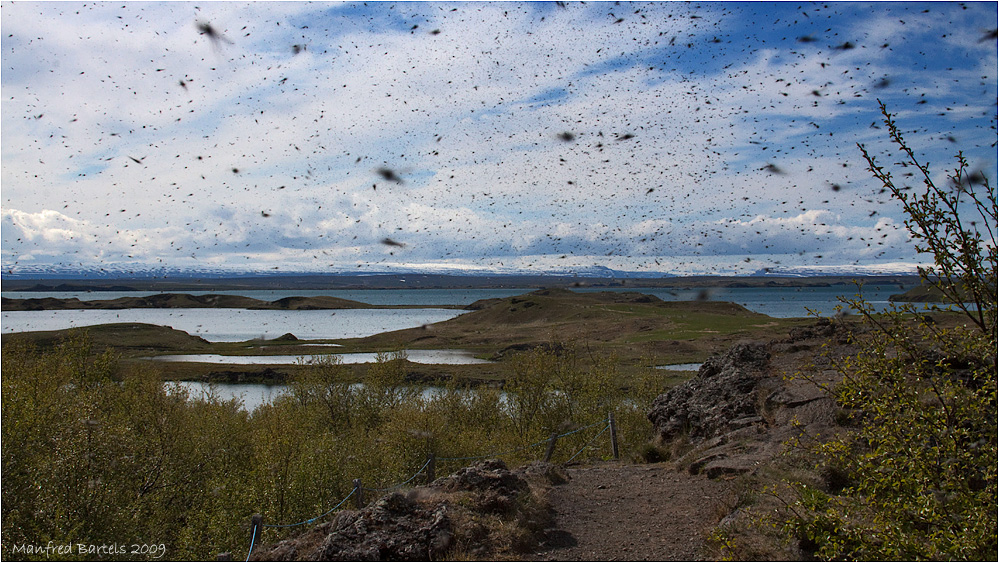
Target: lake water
point(680, 367)
point(254, 395)
point(229, 325)
point(236, 325)
point(450, 357)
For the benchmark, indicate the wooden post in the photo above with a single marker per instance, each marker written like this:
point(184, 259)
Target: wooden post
point(224, 556)
point(256, 528)
point(431, 468)
point(551, 447)
point(358, 494)
point(613, 433)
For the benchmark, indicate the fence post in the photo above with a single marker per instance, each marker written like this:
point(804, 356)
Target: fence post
point(358, 494)
point(256, 527)
point(551, 447)
point(613, 433)
point(431, 468)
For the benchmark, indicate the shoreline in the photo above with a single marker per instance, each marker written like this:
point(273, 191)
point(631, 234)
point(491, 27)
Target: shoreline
point(208, 301)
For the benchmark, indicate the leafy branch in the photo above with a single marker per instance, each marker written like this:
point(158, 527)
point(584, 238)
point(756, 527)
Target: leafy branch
point(964, 260)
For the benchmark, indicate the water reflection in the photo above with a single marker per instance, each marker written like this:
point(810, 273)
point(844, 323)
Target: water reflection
point(252, 395)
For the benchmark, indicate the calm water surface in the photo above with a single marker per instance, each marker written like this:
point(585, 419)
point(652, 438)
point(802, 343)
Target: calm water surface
point(680, 367)
point(253, 395)
point(780, 302)
point(236, 325)
point(776, 301)
point(228, 325)
point(450, 357)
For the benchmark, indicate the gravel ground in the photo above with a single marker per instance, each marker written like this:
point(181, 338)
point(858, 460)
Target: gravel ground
point(617, 512)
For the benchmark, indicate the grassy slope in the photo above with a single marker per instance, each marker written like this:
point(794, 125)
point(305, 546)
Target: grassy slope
point(638, 329)
point(629, 325)
point(129, 338)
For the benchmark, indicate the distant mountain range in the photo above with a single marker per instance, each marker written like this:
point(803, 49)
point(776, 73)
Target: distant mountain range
point(591, 272)
point(40, 273)
point(890, 269)
point(168, 279)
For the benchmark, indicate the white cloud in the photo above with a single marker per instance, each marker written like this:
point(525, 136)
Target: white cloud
point(470, 119)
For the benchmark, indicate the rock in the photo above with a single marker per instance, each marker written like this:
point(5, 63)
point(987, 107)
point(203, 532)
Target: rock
point(394, 528)
point(742, 408)
point(546, 472)
point(721, 398)
point(421, 525)
point(484, 475)
point(495, 487)
point(822, 328)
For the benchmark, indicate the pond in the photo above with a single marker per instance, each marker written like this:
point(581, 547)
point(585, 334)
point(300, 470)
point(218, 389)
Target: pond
point(680, 367)
point(450, 357)
point(254, 395)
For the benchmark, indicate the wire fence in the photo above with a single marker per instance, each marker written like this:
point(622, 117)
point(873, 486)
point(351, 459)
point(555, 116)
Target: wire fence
point(311, 520)
point(520, 449)
point(407, 481)
point(428, 470)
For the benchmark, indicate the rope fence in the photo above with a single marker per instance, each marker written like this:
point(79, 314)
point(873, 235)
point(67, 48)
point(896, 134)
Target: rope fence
point(429, 469)
point(311, 520)
point(406, 482)
point(594, 439)
point(520, 449)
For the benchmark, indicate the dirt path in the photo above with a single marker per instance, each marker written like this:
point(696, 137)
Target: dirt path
point(618, 512)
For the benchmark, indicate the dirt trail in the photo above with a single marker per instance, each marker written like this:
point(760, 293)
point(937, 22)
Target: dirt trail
point(618, 512)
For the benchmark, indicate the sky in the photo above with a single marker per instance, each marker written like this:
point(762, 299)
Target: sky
point(681, 138)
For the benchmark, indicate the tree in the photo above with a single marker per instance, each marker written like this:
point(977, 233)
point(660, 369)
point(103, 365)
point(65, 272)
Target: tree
point(916, 474)
point(964, 260)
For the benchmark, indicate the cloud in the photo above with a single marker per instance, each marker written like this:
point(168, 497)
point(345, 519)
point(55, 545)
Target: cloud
point(710, 137)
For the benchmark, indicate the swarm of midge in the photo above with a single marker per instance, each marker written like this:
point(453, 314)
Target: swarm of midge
point(209, 31)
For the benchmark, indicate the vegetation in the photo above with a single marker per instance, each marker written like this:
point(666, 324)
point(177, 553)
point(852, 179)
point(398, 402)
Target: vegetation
point(99, 452)
point(98, 457)
point(639, 330)
point(915, 477)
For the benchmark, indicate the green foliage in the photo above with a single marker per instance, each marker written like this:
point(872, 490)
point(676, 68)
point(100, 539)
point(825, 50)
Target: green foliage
point(97, 454)
point(956, 224)
point(551, 388)
point(917, 478)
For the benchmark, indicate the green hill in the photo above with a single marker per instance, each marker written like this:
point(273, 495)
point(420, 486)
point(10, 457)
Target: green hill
point(631, 325)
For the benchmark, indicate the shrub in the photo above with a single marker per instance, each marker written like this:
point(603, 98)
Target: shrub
point(916, 478)
point(95, 454)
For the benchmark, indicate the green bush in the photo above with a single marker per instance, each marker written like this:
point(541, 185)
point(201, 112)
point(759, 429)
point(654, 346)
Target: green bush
point(916, 478)
point(97, 454)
